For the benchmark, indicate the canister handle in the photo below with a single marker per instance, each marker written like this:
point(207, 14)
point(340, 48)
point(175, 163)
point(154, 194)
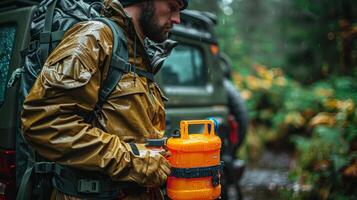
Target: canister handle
point(185, 123)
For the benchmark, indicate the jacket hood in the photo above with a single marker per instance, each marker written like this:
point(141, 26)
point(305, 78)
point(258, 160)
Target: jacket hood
point(113, 9)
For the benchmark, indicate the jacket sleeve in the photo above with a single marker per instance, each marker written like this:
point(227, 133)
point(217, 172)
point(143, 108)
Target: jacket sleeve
point(68, 86)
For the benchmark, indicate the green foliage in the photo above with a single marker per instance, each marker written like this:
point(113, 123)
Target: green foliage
point(320, 120)
point(306, 39)
point(302, 37)
point(346, 87)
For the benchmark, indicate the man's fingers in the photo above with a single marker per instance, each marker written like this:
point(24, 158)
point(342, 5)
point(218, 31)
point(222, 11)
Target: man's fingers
point(162, 176)
point(166, 169)
point(166, 153)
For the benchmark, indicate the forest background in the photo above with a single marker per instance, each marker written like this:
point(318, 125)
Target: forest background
point(295, 63)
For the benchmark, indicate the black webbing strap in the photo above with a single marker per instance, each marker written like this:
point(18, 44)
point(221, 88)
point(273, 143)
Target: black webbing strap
point(57, 36)
point(31, 47)
point(156, 142)
point(78, 183)
point(119, 63)
point(120, 57)
point(47, 167)
point(45, 35)
point(195, 172)
point(90, 185)
point(198, 172)
point(134, 149)
point(27, 186)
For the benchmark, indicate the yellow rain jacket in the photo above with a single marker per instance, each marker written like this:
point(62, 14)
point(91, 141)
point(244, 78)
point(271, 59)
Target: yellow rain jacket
point(68, 86)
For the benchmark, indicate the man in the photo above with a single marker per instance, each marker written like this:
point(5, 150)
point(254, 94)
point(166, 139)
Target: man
point(105, 158)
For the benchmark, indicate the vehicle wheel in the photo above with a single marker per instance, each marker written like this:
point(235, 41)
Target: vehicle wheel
point(230, 184)
point(239, 110)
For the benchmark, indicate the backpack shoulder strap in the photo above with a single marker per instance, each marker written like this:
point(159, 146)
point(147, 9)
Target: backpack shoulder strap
point(119, 61)
point(45, 36)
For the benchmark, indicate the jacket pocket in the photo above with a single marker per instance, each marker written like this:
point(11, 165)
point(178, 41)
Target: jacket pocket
point(68, 73)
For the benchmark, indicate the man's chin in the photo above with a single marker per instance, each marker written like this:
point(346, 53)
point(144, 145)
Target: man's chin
point(159, 39)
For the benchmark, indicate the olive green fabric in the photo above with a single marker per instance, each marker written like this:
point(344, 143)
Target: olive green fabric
point(67, 88)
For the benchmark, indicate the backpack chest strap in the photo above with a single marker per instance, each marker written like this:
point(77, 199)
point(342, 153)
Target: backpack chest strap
point(120, 64)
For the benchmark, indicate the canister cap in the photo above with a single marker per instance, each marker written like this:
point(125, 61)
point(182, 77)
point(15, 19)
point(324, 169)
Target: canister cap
point(195, 143)
point(207, 141)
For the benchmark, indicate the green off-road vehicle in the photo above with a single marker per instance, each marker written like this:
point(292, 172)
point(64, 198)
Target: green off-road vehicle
point(195, 78)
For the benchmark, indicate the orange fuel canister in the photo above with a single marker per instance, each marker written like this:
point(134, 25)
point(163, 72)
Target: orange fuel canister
point(195, 161)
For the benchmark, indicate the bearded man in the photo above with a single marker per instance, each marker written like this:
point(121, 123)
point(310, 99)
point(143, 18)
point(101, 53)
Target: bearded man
point(104, 158)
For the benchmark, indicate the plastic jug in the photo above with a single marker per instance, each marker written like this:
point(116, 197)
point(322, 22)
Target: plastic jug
point(195, 162)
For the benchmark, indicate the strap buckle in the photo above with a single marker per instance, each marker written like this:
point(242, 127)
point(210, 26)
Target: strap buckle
point(43, 167)
point(88, 186)
point(14, 77)
point(48, 167)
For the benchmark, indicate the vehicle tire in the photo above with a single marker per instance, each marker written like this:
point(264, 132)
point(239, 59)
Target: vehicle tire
point(230, 181)
point(237, 108)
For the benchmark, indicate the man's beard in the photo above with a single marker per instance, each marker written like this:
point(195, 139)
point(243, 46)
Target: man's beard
point(149, 24)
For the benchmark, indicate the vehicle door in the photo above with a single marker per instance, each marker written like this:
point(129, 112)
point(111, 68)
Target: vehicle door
point(191, 79)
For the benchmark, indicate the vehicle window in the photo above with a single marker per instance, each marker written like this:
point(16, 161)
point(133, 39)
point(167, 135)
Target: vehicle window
point(184, 67)
point(7, 38)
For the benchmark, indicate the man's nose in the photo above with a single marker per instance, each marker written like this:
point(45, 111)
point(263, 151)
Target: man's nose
point(175, 18)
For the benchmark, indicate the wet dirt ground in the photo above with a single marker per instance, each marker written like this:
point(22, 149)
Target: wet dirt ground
point(263, 179)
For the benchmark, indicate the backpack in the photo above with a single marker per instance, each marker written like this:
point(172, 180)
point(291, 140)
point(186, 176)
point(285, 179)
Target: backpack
point(34, 175)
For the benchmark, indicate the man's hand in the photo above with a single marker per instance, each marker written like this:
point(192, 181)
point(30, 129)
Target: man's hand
point(151, 168)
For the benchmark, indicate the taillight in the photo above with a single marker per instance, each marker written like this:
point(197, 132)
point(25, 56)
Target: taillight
point(233, 133)
point(214, 49)
point(7, 163)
